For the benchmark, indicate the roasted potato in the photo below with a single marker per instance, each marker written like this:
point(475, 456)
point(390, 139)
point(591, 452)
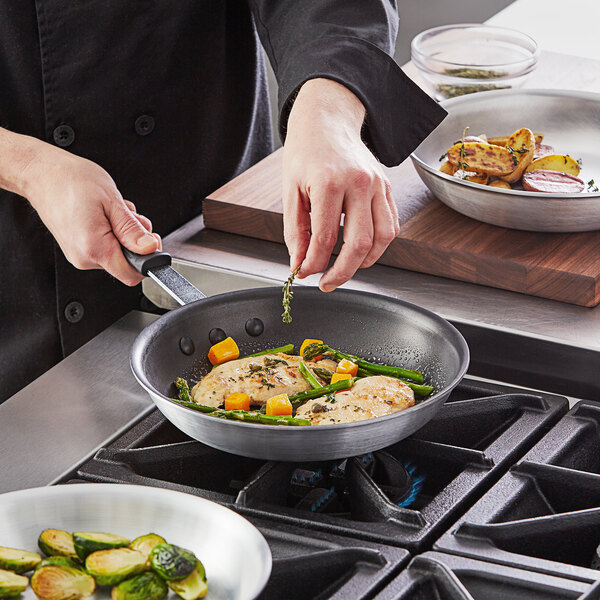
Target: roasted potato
point(521, 144)
point(555, 162)
point(499, 183)
point(542, 150)
point(503, 139)
point(481, 178)
point(552, 182)
point(447, 168)
point(481, 158)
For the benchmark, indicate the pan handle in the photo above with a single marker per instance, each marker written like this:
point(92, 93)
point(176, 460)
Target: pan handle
point(143, 262)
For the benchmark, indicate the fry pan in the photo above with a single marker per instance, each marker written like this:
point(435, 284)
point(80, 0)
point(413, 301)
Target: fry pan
point(374, 327)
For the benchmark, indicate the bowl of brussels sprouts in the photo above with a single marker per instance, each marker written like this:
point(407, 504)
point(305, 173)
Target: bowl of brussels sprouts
point(126, 542)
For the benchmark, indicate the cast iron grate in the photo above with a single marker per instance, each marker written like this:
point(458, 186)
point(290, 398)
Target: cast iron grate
point(446, 577)
point(544, 515)
point(472, 441)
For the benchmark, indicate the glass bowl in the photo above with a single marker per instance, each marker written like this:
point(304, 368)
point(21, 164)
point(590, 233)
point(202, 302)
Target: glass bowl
point(467, 58)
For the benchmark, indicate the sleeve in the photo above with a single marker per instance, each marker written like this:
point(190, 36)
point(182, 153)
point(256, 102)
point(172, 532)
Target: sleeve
point(349, 41)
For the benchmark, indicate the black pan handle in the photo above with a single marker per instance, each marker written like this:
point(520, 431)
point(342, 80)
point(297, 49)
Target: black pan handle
point(142, 263)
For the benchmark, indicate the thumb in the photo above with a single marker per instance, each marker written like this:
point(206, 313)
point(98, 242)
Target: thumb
point(128, 229)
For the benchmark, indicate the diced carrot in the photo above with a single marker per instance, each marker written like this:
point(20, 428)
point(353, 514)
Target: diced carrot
point(340, 377)
point(237, 401)
point(223, 351)
point(347, 366)
point(279, 405)
point(307, 342)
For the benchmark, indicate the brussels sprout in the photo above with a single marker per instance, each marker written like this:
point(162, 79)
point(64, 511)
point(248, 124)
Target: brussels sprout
point(11, 584)
point(85, 542)
point(18, 561)
point(110, 567)
point(193, 586)
point(145, 543)
point(54, 582)
point(147, 586)
point(55, 542)
point(172, 562)
point(61, 561)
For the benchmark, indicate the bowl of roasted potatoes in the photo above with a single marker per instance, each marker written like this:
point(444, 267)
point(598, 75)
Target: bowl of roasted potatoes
point(523, 159)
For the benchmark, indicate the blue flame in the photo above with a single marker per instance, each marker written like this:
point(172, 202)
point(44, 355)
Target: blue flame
point(417, 484)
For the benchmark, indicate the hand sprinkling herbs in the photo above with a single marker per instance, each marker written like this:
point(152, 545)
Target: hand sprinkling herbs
point(288, 294)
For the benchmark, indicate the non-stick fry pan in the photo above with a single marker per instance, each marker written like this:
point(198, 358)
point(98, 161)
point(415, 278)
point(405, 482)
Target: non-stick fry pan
point(368, 325)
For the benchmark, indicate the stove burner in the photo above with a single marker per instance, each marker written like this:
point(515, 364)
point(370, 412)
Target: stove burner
point(323, 487)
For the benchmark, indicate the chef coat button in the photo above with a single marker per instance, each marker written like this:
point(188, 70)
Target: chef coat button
point(74, 312)
point(63, 136)
point(144, 125)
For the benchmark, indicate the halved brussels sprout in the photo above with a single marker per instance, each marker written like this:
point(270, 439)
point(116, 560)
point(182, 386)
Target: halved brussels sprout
point(11, 584)
point(55, 542)
point(147, 586)
point(145, 543)
point(61, 561)
point(110, 567)
point(18, 561)
point(54, 582)
point(172, 562)
point(193, 586)
point(87, 542)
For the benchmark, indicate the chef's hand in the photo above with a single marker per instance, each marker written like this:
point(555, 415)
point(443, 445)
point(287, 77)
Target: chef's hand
point(327, 171)
point(81, 206)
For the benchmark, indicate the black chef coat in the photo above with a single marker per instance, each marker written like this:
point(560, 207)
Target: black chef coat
point(171, 99)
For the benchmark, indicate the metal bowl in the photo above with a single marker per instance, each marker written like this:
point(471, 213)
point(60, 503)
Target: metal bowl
point(569, 121)
point(236, 556)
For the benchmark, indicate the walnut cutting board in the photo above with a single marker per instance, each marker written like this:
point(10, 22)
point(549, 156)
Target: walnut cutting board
point(435, 239)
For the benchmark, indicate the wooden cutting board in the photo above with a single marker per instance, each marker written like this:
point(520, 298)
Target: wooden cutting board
point(435, 239)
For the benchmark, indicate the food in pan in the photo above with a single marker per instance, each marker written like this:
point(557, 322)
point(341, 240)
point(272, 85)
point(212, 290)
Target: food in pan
point(143, 569)
point(517, 161)
point(320, 386)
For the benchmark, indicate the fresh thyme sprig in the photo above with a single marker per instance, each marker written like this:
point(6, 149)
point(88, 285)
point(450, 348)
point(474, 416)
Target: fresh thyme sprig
point(514, 152)
point(288, 294)
point(592, 187)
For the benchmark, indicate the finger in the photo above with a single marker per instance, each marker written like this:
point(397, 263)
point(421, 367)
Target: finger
point(326, 209)
point(128, 230)
point(130, 205)
point(389, 195)
point(296, 225)
point(358, 242)
point(145, 222)
point(383, 228)
point(114, 262)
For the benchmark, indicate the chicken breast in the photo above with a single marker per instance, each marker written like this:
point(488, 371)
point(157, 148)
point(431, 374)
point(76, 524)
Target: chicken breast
point(260, 377)
point(368, 398)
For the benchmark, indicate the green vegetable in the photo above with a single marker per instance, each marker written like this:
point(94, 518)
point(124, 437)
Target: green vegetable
point(110, 567)
point(184, 389)
point(288, 294)
point(312, 380)
point(315, 349)
point(193, 586)
point(242, 415)
point(18, 561)
point(55, 582)
point(172, 562)
point(326, 389)
point(287, 349)
point(61, 561)
point(419, 390)
point(145, 543)
point(147, 586)
point(55, 542)
point(11, 584)
point(324, 374)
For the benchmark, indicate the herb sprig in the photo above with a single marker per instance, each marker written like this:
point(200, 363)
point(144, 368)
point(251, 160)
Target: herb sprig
point(288, 294)
point(592, 187)
point(463, 154)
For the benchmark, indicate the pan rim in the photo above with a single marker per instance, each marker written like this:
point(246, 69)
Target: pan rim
point(459, 343)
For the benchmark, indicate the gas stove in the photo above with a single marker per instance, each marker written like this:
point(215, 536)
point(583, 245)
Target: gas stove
point(352, 524)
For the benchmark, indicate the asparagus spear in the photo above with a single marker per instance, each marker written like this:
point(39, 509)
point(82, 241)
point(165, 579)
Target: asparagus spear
point(184, 390)
point(315, 349)
point(287, 349)
point(312, 380)
point(419, 390)
point(246, 416)
point(324, 374)
point(322, 391)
